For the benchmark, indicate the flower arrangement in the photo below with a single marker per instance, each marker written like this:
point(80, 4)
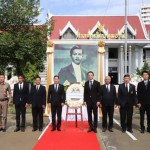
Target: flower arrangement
point(74, 104)
point(83, 83)
point(74, 95)
point(66, 84)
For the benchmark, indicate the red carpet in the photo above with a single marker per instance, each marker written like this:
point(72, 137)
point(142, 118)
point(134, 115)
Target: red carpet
point(71, 139)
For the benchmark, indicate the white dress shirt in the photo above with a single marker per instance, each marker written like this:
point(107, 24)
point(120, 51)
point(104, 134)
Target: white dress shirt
point(37, 87)
point(56, 86)
point(108, 85)
point(77, 70)
point(20, 86)
point(90, 82)
point(145, 82)
point(128, 85)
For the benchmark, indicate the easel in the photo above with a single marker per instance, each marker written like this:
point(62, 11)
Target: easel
point(76, 113)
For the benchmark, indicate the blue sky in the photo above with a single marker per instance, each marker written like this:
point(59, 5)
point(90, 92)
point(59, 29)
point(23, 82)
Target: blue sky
point(89, 7)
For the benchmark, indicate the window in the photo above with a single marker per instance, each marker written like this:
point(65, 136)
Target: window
point(98, 32)
point(69, 34)
point(113, 53)
point(130, 35)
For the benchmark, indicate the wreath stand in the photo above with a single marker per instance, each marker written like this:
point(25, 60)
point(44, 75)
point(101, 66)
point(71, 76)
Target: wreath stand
point(76, 113)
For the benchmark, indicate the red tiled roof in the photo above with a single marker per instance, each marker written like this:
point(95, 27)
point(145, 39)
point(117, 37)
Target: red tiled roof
point(86, 23)
point(148, 29)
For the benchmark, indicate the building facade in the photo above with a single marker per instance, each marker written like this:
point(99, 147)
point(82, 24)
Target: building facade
point(110, 29)
point(145, 13)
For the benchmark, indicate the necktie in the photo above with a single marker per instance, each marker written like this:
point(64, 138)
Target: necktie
point(90, 84)
point(37, 88)
point(56, 88)
point(107, 88)
point(146, 83)
point(126, 87)
point(20, 87)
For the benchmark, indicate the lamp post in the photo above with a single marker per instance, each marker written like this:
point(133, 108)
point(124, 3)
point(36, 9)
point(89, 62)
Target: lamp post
point(125, 56)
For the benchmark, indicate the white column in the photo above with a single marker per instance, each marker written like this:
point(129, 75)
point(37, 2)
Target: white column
point(121, 64)
point(106, 62)
point(130, 61)
point(136, 57)
point(140, 53)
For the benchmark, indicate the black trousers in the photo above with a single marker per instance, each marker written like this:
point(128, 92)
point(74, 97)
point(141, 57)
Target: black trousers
point(56, 109)
point(20, 111)
point(107, 110)
point(126, 113)
point(37, 113)
point(143, 109)
point(92, 108)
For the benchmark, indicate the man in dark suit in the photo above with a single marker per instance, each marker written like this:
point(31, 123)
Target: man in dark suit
point(21, 101)
point(74, 72)
point(92, 100)
point(38, 103)
point(108, 100)
point(143, 94)
point(126, 101)
point(56, 100)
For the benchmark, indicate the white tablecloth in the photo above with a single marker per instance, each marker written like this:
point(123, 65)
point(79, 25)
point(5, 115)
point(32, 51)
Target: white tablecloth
point(72, 117)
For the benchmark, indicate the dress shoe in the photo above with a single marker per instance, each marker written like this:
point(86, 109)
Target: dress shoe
point(148, 131)
point(130, 130)
point(4, 130)
point(95, 130)
point(123, 130)
point(110, 130)
point(104, 130)
point(22, 129)
point(17, 129)
point(58, 129)
point(90, 130)
point(1, 129)
point(53, 129)
point(40, 129)
point(142, 131)
point(33, 130)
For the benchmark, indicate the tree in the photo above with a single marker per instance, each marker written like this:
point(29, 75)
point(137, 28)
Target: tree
point(22, 44)
point(146, 67)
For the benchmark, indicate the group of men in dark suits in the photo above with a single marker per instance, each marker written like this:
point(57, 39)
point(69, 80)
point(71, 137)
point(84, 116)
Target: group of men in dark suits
point(36, 99)
point(126, 99)
point(95, 96)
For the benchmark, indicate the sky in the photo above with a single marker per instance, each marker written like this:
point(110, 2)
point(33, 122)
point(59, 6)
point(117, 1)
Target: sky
point(89, 7)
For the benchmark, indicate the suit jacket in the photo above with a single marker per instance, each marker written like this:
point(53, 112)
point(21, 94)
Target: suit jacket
point(108, 98)
point(21, 96)
point(92, 95)
point(125, 97)
point(143, 94)
point(67, 73)
point(38, 98)
point(56, 98)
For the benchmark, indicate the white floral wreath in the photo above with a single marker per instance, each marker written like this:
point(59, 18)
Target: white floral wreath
point(74, 90)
